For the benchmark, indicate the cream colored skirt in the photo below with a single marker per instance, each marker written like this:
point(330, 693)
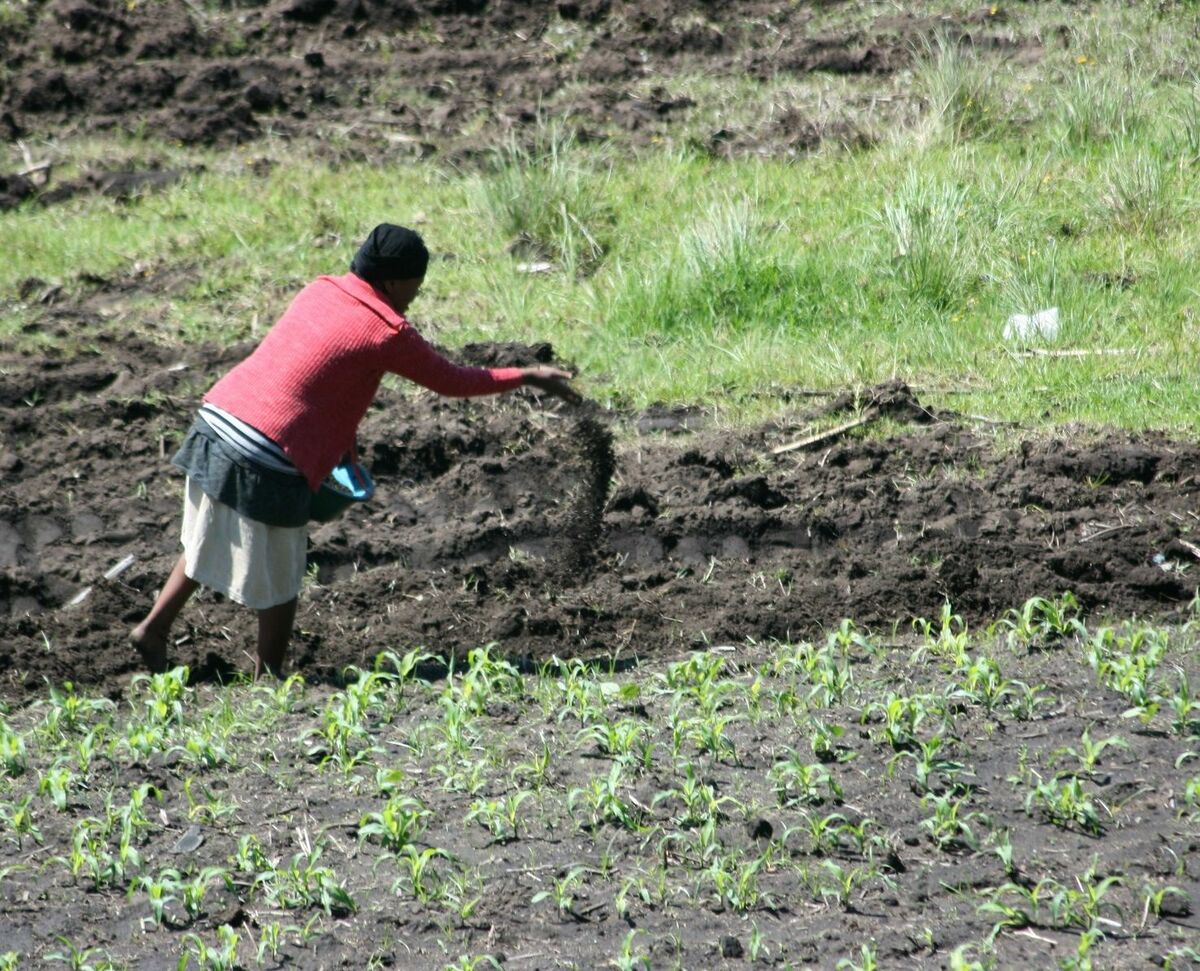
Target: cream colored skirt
point(250, 563)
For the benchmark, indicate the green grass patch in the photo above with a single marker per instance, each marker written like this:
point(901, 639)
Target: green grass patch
point(676, 276)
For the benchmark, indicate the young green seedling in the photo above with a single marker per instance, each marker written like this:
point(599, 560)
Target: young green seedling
point(604, 801)
point(424, 882)
point(18, 821)
point(499, 816)
point(949, 826)
point(1089, 751)
point(12, 751)
point(564, 892)
point(55, 783)
point(397, 825)
point(221, 957)
point(797, 782)
point(1065, 803)
point(699, 800)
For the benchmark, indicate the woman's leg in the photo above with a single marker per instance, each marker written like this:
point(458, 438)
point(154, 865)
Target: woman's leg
point(150, 636)
point(274, 632)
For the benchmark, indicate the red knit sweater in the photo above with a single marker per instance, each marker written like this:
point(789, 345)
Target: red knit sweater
point(311, 380)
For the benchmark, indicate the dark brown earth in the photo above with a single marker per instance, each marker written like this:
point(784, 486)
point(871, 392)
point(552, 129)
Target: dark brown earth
point(495, 520)
point(445, 78)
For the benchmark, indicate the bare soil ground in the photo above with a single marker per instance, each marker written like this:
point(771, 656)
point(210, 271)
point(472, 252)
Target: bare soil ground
point(496, 521)
point(649, 538)
point(436, 77)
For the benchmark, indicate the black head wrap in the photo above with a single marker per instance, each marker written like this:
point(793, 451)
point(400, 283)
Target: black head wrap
point(391, 253)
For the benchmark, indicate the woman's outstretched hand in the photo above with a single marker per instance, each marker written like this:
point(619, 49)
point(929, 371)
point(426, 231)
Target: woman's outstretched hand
point(553, 381)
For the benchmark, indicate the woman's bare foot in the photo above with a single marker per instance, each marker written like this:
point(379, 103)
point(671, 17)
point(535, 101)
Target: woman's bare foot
point(151, 645)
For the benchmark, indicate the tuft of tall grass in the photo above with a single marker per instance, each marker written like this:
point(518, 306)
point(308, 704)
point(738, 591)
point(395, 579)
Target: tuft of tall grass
point(550, 200)
point(1138, 188)
point(1094, 108)
point(960, 93)
point(1185, 127)
point(930, 257)
point(724, 275)
point(1030, 282)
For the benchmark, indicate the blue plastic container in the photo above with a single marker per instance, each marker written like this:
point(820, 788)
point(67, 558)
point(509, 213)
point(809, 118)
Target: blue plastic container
point(347, 484)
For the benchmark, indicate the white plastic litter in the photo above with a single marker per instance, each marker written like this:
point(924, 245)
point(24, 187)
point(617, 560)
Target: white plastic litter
point(1027, 327)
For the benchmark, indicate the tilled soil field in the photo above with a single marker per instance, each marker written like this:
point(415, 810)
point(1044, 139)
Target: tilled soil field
point(431, 78)
point(503, 521)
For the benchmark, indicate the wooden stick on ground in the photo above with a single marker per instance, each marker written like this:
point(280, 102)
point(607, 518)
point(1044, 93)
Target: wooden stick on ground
point(1191, 548)
point(1074, 352)
point(825, 436)
point(111, 573)
point(35, 168)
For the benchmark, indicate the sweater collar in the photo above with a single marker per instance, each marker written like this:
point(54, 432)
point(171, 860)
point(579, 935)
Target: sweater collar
point(365, 293)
